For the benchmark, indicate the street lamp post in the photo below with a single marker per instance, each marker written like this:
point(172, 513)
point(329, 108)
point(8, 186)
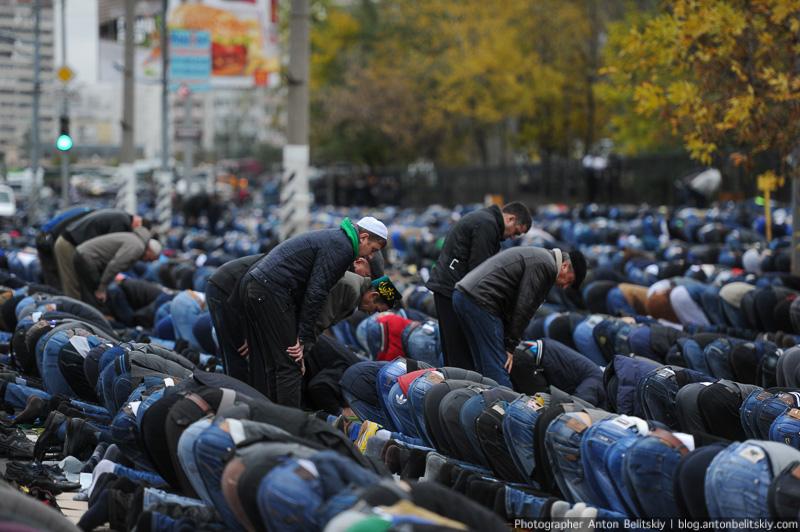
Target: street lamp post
point(64, 113)
point(37, 88)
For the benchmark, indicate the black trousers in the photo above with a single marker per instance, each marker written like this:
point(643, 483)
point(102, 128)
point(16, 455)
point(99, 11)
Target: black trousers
point(153, 438)
point(230, 333)
point(181, 414)
point(454, 342)
point(271, 329)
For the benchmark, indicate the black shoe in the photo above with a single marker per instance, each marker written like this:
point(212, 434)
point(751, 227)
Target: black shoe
point(145, 522)
point(80, 439)
point(56, 400)
point(35, 408)
point(415, 466)
point(46, 497)
point(198, 514)
point(102, 484)
point(113, 453)
point(49, 436)
point(396, 458)
point(119, 506)
point(135, 508)
point(93, 460)
point(16, 445)
point(49, 478)
point(9, 376)
point(68, 410)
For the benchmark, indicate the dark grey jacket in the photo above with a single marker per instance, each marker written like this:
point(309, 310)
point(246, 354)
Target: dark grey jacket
point(512, 285)
point(342, 300)
point(304, 269)
point(97, 223)
point(227, 276)
point(475, 238)
point(108, 255)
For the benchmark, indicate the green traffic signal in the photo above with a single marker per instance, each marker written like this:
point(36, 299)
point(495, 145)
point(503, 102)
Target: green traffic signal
point(64, 143)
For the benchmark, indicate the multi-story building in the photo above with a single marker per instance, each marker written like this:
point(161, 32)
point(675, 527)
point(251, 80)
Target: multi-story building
point(17, 79)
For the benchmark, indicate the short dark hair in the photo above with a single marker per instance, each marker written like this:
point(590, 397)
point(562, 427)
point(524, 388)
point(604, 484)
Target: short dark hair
point(578, 262)
point(520, 212)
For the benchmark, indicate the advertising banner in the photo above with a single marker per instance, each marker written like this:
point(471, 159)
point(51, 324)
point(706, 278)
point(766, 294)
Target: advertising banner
point(190, 60)
point(243, 34)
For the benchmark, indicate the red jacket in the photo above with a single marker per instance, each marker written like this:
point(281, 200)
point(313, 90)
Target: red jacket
point(392, 327)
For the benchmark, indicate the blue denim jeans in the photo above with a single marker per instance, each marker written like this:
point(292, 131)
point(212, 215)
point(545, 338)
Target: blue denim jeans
point(769, 410)
point(123, 427)
point(693, 355)
point(737, 483)
point(200, 278)
point(712, 305)
point(114, 384)
point(293, 495)
point(422, 343)
point(386, 378)
point(563, 444)
point(733, 315)
point(584, 340)
point(153, 497)
point(187, 459)
point(343, 332)
point(468, 416)
point(289, 497)
point(401, 412)
point(485, 333)
point(137, 475)
point(649, 468)
point(185, 311)
point(749, 410)
point(786, 428)
point(657, 391)
point(718, 358)
point(617, 304)
point(615, 471)
point(16, 395)
point(211, 448)
point(518, 431)
point(147, 403)
point(599, 438)
point(521, 505)
point(621, 345)
point(416, 396)
point(361, 333)
point(54, 381)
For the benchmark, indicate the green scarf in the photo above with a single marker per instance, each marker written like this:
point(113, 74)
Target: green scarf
point(350, 230)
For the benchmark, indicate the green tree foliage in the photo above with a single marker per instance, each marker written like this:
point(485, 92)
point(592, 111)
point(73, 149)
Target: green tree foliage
point(458, 81)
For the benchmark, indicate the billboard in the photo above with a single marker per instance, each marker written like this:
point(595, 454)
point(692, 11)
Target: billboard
point(244, 38)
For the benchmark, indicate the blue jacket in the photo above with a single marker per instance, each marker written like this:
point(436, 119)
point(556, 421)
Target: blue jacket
point(572, 372)
point(622, 380)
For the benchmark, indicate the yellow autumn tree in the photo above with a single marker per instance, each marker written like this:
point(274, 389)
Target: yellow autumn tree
point(722, 74)
point(457, 81)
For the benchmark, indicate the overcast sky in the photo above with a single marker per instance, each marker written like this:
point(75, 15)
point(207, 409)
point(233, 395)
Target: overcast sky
point(82, 38)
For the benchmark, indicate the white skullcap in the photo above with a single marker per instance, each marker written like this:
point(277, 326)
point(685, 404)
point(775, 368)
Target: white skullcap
point(751, 260)
point(374, 226)
point(154, 246)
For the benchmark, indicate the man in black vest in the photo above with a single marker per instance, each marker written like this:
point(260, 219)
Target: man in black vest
point(475, 238)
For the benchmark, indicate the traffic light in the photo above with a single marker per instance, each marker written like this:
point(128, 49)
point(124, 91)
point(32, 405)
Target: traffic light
point(64, 141)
